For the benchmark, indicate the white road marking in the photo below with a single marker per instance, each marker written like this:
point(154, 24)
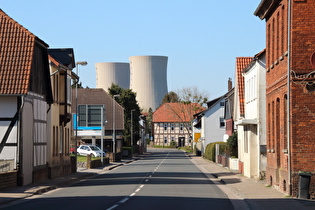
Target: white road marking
point(124, 200)
point(114, 206)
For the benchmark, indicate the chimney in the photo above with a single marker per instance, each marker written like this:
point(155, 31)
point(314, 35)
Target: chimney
point(229, 84)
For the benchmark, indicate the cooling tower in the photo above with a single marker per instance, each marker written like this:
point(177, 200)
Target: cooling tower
point(112, 72)
point(148, 78)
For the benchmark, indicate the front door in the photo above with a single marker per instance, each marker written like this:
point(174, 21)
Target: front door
point(181, 141)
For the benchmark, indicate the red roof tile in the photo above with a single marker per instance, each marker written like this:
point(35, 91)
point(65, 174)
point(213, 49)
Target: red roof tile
point(176, 112)
point(241, 63)
point(16, 54)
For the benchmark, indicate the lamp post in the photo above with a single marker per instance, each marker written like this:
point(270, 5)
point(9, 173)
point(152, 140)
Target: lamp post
point(82, 63)
point(114, 135)
point(131, 141)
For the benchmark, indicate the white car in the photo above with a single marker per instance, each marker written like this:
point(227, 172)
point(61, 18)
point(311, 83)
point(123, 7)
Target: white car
point(92, 150)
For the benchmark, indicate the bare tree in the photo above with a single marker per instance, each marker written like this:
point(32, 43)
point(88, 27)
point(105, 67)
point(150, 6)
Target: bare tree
point(191, 101)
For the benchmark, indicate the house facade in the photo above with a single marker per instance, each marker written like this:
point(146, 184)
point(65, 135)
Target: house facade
point(254, 122)
point(239, 111)
point(172, 122)
point(25, 96)
point(89, 129)
point(229, 110)
point(212, 123)
point(290, 98)
point(61, 62)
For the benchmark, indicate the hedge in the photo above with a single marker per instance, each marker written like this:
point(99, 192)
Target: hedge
point(210, 150)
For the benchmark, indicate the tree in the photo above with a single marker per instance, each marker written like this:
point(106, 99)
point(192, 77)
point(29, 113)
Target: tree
point(74, 82)
point(192, 95)
point(191, 101)
point(128, 101)
point(149, 120)
point(170, 97)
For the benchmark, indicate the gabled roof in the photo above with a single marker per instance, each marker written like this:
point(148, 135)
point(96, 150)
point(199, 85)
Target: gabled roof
point(16, 56)
point(255, 58)
point(176, 112)
point(241, 63)
point(65, 56)
point(98, 96)
point(265, 8)
point(211, 104)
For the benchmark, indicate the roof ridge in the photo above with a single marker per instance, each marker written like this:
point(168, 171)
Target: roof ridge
point(5, 15)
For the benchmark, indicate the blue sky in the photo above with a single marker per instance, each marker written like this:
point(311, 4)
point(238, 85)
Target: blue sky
point(201, 38)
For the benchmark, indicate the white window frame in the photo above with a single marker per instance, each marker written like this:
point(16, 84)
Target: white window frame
point(165, 126)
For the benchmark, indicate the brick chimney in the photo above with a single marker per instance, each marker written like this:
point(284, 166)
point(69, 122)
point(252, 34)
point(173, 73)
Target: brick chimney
point(229, 84)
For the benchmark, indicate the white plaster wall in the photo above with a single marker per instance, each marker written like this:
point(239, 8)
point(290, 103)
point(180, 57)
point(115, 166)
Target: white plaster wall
point(8, 108)
point(240, 138)
point(213, 132)
point(27, 142)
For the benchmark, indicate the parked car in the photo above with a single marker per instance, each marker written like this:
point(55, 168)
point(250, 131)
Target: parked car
point(92, 150)
point(105, 150)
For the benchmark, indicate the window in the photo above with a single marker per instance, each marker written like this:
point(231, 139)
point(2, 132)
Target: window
point(221, 103)
point(181, 127)
point(61, 140)
point(172, 127)
point(222, 123)
point(68, 89)
point(189, 126)
point(90, 115)
point(173, 138)
point(165, 126)
point(165, 140)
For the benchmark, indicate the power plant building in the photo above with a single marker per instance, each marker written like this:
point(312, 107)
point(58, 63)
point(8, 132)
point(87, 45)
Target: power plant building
point(148, 78)
point(112, 72)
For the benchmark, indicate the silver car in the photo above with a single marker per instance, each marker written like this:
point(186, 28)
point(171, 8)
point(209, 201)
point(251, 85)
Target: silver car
point(92, 150)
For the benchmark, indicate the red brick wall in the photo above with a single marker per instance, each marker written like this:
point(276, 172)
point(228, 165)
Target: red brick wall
point(8, 179)
point(302, 101)
point(229, 127)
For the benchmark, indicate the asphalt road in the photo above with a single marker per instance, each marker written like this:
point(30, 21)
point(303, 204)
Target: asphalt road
point(167, 179)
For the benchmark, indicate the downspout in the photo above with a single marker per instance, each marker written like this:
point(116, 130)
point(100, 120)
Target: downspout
point(289, 99)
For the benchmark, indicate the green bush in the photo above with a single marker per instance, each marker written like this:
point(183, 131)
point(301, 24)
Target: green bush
point(173, 144)
point(232, 147)
point(210, 150)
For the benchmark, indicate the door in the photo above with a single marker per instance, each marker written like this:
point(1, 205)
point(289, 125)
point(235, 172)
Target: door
point(181, 141)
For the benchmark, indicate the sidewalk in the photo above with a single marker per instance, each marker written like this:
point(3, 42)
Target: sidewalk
point(247, 193)
point(16, 193)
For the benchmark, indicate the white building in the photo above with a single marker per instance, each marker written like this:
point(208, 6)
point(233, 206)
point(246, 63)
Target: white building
point(239, 113)
point(211, 122)
point(253, 144)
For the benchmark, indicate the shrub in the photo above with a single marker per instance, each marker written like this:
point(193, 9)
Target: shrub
point(173, 144)
point(232, 147)
point(210, 150)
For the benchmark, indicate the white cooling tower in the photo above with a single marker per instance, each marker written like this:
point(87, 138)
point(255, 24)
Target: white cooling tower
point(112, 72)
point(148, 78)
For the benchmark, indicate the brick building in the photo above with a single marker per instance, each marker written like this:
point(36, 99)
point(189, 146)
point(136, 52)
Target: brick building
point(285, 162)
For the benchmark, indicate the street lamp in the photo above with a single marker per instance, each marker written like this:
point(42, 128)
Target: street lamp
point(131, 141)
point(82, 63)
point(114, 135)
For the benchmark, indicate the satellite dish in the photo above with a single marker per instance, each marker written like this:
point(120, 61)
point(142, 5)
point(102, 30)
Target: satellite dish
point(313, 59)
